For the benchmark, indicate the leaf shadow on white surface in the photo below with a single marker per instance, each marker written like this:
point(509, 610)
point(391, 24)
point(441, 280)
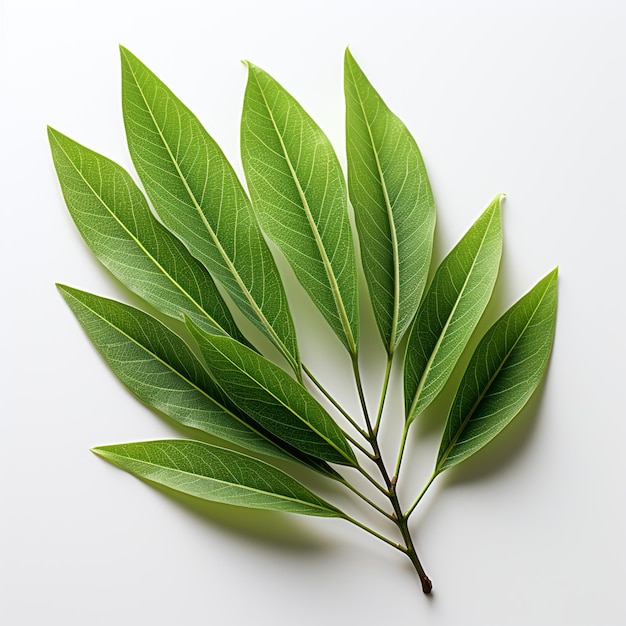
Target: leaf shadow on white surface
point(510, 445)
point(270, 529)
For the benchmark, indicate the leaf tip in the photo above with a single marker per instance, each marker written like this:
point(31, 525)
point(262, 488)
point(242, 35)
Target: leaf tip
point(127, 56)
point(551, 276)
point(58, 136)
point(52, 134)
point(105, 452)
point(191, 326)
point(349, 58)
point(251, 67)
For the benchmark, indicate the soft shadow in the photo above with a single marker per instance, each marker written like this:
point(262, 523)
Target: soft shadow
point(509, 446)
point(273, 529)
point(433, 419)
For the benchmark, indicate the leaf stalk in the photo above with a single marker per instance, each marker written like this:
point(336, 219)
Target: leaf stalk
point(334, 402)
point(421, 495)
point(383, 394)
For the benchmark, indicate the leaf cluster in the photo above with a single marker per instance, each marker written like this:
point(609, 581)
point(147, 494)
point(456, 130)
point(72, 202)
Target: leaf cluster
point(193, 244)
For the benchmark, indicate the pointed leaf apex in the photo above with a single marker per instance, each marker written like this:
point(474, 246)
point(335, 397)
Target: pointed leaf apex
point(57, 135)
point(127, 56)
point(252, 68)
point(551, 276)
point(349, 58)
point(52, 134)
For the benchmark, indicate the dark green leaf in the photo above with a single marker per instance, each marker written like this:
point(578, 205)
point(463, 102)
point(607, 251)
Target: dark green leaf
point(157, 366)
point(502, 374)
point(216, 474)
point(451, 308)
point(393, 205)
point(298, 190)
point(197, 195)
point(115, 221)
point(272, 398)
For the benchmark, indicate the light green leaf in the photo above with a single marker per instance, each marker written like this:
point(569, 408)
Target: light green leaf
point(217, 475)
point(452, 306)
point(272, 398)
point(115, 221)
point(299, 193)
point(393, 205)
point(198, 197)
point(502, 374)
point(157, 366)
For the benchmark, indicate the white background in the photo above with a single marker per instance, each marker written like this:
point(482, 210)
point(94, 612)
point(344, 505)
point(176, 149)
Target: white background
point(527, 98)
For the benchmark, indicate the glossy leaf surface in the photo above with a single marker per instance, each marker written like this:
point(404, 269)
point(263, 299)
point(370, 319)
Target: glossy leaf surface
point(115, 221)
point(393, 205)
point(216, 474)
point(505, 369)
point(452, 306)
point(199, 198)
point(272, 398)
point(299, 192)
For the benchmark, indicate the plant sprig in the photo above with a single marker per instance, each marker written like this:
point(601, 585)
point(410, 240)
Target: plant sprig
point(205, 236)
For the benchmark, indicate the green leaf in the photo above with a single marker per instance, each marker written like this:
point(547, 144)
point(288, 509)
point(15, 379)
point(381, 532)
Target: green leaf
point(299, 193)
point(198, 197)
point(217, 475)
point(393, 205)
point(452, 306)
point(159, 368)
point(115, 221)
point(272, 398)
point(502, 374)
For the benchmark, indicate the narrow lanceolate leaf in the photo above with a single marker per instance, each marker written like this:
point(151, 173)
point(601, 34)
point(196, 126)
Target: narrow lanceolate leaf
point(115, 221)
point(393, 205)
point(451, 308)
point(272, 398)
point(198, 197)
point(503, 372)
point(157, 366)
point(299, 193)
point(216, 474)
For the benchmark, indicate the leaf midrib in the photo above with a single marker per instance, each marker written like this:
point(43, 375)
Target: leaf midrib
point(251, 301)
point(343, 316)
point(282, 403)
point(216, 480)
point(392, 224)
point(442, 335)
point(139, 243)
point(439, 468)
point(170, 368)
